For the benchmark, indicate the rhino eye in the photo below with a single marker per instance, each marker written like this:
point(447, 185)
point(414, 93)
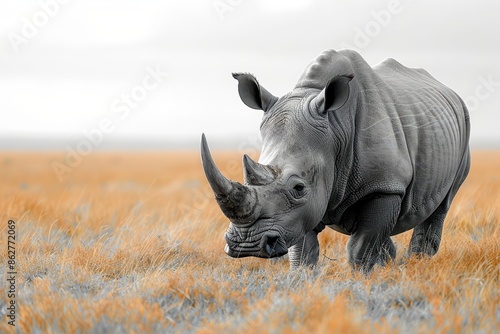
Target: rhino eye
point(299, 187)
point(298, 190)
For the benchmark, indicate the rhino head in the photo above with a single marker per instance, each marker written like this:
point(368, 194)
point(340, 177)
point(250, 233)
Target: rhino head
point(286, 193)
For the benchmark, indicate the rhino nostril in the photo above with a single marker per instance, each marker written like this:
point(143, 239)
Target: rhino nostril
point(271, 244)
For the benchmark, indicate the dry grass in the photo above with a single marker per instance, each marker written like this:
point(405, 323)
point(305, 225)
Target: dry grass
point(134, 243)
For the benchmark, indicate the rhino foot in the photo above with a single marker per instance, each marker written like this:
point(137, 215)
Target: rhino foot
point(427, 236)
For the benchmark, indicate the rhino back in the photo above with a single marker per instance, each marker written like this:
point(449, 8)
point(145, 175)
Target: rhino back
point(411, 136)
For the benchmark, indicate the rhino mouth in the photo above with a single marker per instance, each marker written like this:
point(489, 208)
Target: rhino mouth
point(269, 245)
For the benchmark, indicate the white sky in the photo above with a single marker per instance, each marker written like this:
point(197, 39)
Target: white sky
point(72, 72)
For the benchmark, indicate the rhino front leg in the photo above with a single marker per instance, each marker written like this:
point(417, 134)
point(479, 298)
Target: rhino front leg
point(305, 252)
point(371, 243)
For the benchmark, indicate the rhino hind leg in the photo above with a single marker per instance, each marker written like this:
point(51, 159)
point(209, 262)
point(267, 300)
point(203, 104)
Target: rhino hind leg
point(426, 237)
point(306, 252)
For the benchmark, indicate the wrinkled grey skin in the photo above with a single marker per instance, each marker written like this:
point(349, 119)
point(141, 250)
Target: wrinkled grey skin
point(368, 152)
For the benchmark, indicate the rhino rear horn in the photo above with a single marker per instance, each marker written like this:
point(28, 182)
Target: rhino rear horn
point(255, 173)
point(252, 93)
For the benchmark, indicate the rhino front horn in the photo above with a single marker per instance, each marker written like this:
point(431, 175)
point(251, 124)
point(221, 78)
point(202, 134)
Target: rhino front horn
point(237, 202)
point(219, 183)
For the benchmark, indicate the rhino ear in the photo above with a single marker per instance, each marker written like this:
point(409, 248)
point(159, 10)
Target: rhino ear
point(335, 94)
point(252, 93)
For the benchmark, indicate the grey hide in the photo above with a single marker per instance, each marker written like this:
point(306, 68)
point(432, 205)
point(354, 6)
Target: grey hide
point(370, 152)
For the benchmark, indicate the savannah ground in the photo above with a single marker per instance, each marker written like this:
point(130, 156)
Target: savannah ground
point(133, 242)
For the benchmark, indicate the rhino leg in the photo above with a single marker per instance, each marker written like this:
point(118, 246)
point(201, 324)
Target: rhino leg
point(388, 252)
point(305, 252)
point(426, 237)
point(371, 243)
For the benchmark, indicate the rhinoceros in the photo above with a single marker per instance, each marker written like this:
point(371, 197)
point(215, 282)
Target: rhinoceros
point(370, 152)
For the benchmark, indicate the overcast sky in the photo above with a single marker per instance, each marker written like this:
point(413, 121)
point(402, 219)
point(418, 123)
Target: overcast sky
point(161, 70)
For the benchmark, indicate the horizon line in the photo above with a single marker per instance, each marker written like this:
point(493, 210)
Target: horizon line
point(217, 142)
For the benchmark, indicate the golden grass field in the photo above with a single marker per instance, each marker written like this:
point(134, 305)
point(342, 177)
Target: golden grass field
point(133, 242)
